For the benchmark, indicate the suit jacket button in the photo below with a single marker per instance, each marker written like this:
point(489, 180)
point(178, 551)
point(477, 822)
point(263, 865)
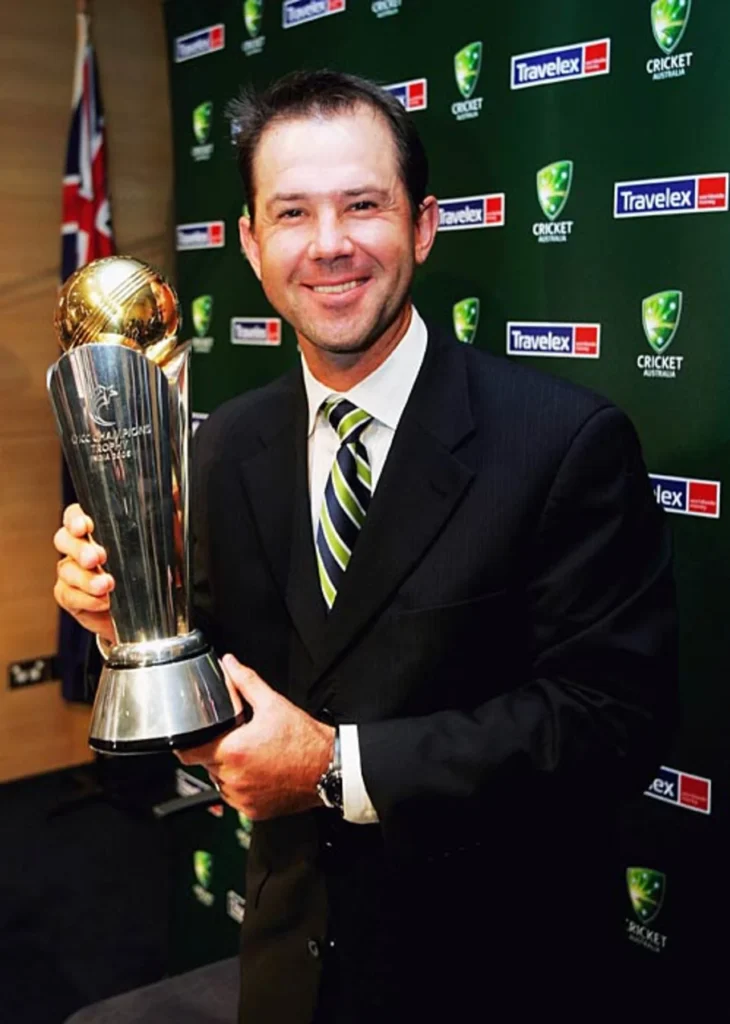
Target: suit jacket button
point(313, 948)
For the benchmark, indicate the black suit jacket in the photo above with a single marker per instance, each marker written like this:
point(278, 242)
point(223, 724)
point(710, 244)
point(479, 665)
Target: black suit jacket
point(504, 638)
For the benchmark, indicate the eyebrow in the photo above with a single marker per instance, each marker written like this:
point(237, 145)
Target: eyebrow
point(291, 197)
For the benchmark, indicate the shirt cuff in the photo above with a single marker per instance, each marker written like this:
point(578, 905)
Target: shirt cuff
point(357, 806)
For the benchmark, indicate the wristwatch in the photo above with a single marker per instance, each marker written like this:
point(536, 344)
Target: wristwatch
point(329, 787)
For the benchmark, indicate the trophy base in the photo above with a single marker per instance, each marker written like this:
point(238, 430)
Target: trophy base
point(145, 710)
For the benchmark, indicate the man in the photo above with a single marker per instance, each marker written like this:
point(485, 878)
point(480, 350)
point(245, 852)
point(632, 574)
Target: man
point(455, 561)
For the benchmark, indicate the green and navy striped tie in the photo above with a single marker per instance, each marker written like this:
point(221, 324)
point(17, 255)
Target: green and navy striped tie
point(346, 496)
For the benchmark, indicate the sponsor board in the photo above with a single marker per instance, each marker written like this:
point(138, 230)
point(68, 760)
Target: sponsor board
point(385, 8)
point(209, 234)
point(255, 330)
point(485, 211)
point(668, 23)
point(646, 888)
point(297, 12)
point(253, 13)
point(412, 94)
point(235, 906)
point(566, 340)
point(553, 188)
point(199, 43)
point(686, 496)
point(659, 197)
point(560, 64)
point(682, 790)
point(467, 68)
point(660, 315)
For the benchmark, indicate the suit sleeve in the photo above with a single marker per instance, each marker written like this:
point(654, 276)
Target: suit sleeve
point(600, 698)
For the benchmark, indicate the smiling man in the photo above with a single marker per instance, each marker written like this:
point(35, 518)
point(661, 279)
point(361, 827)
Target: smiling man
point(444, 588)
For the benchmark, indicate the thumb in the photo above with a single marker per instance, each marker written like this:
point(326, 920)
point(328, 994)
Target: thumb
point(250, 686)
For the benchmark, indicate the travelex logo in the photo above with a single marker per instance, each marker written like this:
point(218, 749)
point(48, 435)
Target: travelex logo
point(251, 330)
point(209, 234)
point(686, 496)
point(467, 68)
point(203, 870)
point(572, 341)
point(660, 314)
point(553, 189)
point(253, 13)
point(466, 320)
point(646, 888)
point(485, 211)
point(412, 94)
point(199, 43)
point(654, 197)
point(201, 314)
point(668, 22)
point(682, 789)
point(197, 419)
point(561, 64)
point(202, 122)
point(235, 906)
point(296, 12)
point(385, 8)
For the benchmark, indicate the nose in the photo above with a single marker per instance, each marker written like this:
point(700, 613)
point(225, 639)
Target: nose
point(329, 237)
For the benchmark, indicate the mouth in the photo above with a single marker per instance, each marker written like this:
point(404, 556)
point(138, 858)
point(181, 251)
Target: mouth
point(337, 287)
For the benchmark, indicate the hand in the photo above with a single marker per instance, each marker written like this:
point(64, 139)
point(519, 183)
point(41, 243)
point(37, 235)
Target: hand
point(271, 765)
point(80, 588)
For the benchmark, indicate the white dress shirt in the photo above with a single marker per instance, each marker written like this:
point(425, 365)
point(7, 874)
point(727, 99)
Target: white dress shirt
point(383, 394)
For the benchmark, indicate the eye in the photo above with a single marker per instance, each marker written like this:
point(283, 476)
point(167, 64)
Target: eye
point(291, 214)
point(363, 204)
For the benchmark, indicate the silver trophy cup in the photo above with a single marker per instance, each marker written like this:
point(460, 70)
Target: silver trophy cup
point(120, 397)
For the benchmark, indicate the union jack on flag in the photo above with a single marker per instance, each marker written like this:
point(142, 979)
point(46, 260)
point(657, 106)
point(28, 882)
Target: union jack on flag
point(86, 231)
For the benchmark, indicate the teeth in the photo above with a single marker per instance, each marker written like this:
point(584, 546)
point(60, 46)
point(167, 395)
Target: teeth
point(333, 289)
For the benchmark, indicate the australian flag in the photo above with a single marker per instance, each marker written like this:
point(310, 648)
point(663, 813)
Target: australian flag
point(86, 234)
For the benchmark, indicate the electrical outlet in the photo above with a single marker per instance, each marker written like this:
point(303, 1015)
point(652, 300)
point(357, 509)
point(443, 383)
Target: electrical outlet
point(30, 671)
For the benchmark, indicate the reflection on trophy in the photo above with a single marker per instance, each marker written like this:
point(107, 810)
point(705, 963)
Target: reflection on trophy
point(120, 396)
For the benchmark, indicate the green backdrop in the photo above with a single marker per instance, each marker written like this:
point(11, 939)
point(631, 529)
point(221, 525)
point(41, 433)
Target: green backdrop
point(550, 109)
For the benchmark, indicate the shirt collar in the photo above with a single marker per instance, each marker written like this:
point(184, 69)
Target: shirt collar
point(385, 391)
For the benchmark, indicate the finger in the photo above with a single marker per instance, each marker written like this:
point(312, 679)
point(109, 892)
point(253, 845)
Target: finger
point(75, 601)
point(95, 583)
point(250, 685)
point(85, 552)
point(76, 521)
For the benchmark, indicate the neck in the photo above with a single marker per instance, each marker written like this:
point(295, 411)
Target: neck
point(342, 371)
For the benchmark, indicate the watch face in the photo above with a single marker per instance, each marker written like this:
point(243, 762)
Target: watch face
point(332, 788)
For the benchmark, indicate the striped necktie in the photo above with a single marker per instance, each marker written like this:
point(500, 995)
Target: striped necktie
point(346, 495)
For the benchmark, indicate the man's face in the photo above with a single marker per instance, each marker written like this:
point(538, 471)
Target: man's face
point(334, 242)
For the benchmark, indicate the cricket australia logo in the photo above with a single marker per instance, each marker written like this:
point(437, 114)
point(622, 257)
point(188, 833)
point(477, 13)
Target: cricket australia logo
point(553, 189)
point(99, 404)
point(660, 315)
point(466, 320)
point(646, 888)
point(253, 13)
point(467, 68)
point(202, 314)
point(202, 121)
point(668, 23)
point(203, 869)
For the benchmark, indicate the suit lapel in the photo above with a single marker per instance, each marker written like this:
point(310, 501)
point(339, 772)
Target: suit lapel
point(421, 485)
point(275, 480)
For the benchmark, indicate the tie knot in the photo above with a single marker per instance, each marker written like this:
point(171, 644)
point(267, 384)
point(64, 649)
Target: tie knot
point(345, 418)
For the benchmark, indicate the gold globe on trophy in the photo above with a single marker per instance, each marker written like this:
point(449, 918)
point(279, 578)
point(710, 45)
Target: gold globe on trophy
point(120, 396)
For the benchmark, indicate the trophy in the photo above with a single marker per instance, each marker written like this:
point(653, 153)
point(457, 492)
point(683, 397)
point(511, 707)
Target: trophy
point(120, 397)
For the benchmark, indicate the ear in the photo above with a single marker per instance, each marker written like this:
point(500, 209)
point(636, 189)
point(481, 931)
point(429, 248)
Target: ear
point(426, 226)
point(249, 244)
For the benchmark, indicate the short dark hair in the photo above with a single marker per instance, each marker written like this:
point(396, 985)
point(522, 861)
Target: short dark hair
point(324, 93)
